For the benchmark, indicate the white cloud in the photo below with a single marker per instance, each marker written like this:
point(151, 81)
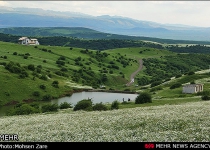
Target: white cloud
point(3, 3)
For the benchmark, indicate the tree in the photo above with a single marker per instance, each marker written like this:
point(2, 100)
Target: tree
point(143, 97)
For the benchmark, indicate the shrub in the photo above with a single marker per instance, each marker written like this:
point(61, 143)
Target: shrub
point(27, 54)
point(156, 89)
point(127, 90)
point(23, 74)
point(31, 67)
point(177, 76)
point(55, 84)
point(156, 83)
point(49, 107)
point(205, 97)
point(35, 105)
point(143, 97)
point(65, 105)
point(42, 87)
point(38, 70)
point(36, 93)
point(176, 85)
point(50, 75)
point(15, 53)
point(167, 79)
point(64, 69)
point(191, 73)
point(43, 77)
point(25, 57)
point(46, 97)
point(192, 82)
point(203, 93)
point(85, 104)
point(100, 107)
point(125, 102)
point(39, 66)
point(3, 63)
point(23, 109)
point(115, 105)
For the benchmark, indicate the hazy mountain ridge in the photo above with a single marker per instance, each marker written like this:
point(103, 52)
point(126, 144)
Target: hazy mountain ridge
point(33, 17)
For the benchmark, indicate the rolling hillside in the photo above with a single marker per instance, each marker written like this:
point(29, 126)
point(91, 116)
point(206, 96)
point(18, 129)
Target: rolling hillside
point(55, 71)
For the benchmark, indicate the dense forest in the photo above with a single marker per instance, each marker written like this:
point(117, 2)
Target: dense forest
point(159, 70)
point(189, 49)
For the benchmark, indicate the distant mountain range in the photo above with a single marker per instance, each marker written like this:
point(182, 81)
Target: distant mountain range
point(34, 17)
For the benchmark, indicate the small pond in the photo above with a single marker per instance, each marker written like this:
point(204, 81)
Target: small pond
point(96, 97)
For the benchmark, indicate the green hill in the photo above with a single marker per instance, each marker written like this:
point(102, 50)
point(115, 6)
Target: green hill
point(47, 72)
point(40, 73)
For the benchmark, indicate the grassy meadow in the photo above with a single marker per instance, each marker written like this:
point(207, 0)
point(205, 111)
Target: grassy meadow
point(187, 122)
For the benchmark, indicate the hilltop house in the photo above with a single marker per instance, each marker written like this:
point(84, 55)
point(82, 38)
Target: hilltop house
point(192, 88)
point(27, 41)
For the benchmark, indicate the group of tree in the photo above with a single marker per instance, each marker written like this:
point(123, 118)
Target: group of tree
point(26, 109)
point(189, 49)
point(161, 70)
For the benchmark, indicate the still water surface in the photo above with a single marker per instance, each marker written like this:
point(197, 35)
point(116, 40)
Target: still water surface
point(97, 97)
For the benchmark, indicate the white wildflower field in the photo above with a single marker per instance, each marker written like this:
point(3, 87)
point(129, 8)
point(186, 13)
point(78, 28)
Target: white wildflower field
point(172, 123)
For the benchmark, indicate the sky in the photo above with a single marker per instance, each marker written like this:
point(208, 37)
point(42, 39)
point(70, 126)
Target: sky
point(194, 13)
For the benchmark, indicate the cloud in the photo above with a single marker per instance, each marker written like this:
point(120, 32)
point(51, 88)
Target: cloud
point(3, 3)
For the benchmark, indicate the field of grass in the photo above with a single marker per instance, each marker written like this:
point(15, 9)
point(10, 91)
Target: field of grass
point(188, 122)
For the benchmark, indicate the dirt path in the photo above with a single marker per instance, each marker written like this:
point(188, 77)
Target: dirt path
point(134, 73)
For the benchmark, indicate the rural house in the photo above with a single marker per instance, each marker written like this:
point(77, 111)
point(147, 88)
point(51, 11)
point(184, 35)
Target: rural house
point(27, 41)
point(192, 88)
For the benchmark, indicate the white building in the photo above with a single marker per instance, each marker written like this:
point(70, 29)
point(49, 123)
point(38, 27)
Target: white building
point(192, 88)
point(27, 41)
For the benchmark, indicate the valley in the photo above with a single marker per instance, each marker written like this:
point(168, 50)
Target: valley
point(94, 71)
point(35, 69)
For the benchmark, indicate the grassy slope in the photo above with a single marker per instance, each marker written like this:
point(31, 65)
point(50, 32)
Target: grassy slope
point(176, 117)
point(20, 89)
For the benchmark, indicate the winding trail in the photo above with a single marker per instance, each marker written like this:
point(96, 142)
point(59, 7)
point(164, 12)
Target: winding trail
point(134, 73)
